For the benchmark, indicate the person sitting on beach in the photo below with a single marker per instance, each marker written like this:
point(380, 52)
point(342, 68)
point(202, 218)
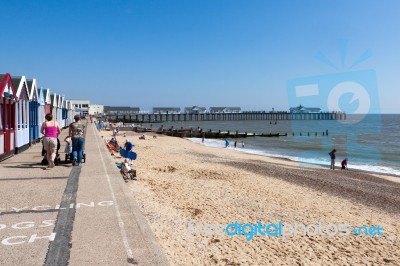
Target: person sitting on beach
point(142, 137)
point(344, 164)
point(114, 143)
point(128, 145)
point(127, 170)
point(333, 157)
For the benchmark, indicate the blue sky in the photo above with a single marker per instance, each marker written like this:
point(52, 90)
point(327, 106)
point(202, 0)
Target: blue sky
point(191, 52)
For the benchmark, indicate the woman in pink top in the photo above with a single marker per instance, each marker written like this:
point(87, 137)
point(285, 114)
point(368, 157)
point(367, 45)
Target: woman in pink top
point(50, 129)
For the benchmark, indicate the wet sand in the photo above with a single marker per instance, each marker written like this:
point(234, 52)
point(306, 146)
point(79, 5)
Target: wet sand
point(182, 185)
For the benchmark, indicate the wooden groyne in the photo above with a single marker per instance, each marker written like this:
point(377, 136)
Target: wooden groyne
point(271, 116)
point(199, 133)
point(190, 133)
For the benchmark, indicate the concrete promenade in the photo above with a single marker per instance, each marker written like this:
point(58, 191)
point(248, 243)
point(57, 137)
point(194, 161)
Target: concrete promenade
point(71, 215)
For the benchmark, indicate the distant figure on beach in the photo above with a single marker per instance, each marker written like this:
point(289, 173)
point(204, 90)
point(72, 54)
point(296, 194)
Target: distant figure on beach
point(333, 157)
point(344, 164)
point(226, 143)
point(242, 144)
point(76, 131)
point(235, 143)
point(128, 145)
point(142, 137)
point(202, 137)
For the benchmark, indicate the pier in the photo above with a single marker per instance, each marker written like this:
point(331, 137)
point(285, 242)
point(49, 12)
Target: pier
point(242, 116)
point(209, 134)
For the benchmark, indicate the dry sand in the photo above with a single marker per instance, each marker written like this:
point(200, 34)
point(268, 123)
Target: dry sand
point(180, 181)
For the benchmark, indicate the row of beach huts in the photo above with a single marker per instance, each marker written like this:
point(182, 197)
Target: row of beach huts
point(23, 107)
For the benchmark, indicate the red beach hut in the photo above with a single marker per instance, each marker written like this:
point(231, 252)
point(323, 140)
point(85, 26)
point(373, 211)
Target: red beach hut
point(7, 116)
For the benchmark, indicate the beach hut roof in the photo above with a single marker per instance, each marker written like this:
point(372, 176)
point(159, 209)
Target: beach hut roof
point(54, 100)
point(22, 87)
point(33, 90)
point(46, 95)
point(6, 85)
point(41, 94)
point(61, 99)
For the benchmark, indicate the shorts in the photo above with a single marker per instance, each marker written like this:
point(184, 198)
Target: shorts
point(50, 144)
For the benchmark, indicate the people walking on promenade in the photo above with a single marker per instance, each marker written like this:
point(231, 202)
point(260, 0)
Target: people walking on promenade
point(50, 129)
point(76, 131)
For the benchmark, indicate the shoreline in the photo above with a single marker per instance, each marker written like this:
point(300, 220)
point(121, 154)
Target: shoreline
point(301, 163)
point(180, 182)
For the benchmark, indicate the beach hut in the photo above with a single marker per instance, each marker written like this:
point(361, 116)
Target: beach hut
point(7, 115)
point(21, 114)
point(33, 111)
point(47, 100)
point(54, 105)
point(70, 112)
point(42, 108)
point(60, 117)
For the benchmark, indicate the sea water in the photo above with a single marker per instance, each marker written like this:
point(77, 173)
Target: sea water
point(370, 142)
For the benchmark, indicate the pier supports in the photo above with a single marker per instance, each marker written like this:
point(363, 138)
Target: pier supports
point(273, 116)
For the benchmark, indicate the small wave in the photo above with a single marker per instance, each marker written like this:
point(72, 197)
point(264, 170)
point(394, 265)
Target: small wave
point(216, 143)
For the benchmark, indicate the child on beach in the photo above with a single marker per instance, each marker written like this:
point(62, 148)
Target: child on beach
point(68, 146)
point(344, 164)
point(333, 157)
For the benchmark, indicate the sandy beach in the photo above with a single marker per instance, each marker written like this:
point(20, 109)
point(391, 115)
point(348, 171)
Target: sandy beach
point(185, 189)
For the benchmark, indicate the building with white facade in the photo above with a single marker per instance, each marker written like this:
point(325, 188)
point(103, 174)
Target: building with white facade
point(96, 109)
point(80, 106)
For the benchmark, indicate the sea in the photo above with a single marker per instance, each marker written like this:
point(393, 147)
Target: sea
point(370, 142)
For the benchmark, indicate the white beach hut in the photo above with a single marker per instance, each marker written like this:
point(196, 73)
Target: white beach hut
point(54, 105)
point(70, 112)
point(60, 117)
point(21, 114)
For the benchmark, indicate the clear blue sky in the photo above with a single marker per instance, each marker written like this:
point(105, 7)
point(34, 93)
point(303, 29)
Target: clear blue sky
point(196, 52)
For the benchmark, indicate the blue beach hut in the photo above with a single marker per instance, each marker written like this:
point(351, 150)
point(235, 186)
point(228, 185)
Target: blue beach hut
point(42, 107)
point(33, 111)
point(7, 116)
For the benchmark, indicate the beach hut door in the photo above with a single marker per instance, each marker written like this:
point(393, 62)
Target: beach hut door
point(7, 124)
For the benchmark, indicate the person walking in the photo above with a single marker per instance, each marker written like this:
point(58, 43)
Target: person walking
point(50, 129)
point(76, 131)
point(333, 157)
